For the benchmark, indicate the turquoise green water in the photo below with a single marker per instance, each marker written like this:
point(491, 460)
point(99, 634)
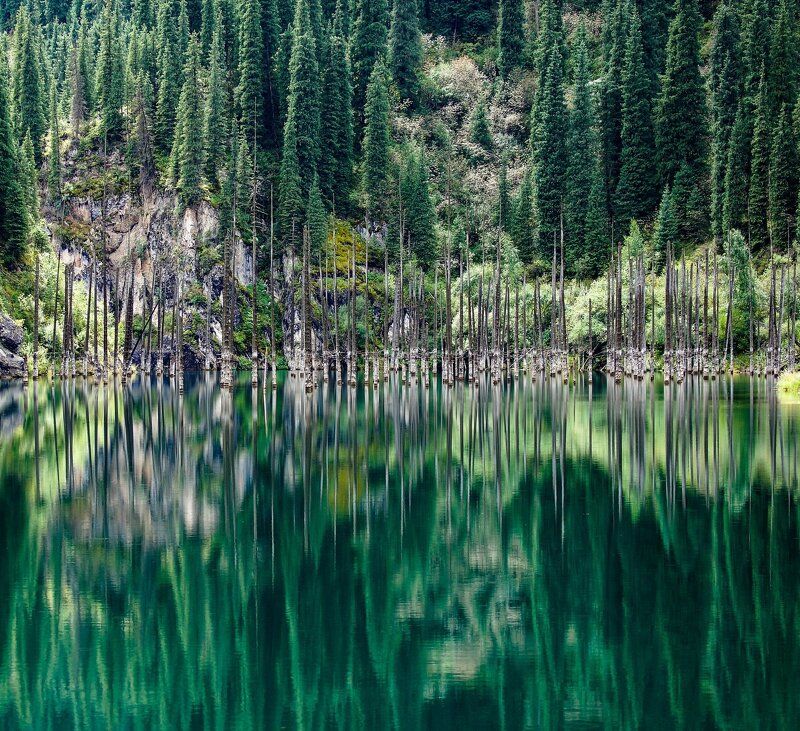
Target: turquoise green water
point(528, 556)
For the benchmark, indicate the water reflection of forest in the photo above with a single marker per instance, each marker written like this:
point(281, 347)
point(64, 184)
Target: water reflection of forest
point(533, 555)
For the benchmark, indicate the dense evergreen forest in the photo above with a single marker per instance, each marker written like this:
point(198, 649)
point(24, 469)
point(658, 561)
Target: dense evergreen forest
point(522, 181)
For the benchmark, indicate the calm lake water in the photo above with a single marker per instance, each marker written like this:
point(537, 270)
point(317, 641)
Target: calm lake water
point(526, 556)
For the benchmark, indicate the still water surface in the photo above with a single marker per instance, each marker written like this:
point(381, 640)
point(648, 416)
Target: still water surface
point(527, 556)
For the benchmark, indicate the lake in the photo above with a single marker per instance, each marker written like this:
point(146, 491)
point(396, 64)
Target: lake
point(520, 556)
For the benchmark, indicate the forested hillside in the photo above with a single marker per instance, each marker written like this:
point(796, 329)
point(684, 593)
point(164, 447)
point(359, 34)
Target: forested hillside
point(373, 157)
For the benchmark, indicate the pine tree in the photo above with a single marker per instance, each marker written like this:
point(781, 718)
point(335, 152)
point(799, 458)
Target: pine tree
point(13, 213)
point(215, 119)
point(681, 130)
point(77, 113)
point(665, 232)
point(270, 24)
point(405, 48)
point(376, 145)
point(367, 44)
point(54, 159)
point(583, 151)
point(110, 74)
point(251, 66)
point(336, 162)
point(29, 84)
point(522, 230)
point(479, 130)
point(188, 148)
point(510, 36)
point(304, 97)
point(783, 181)
point(143, 106)
point(420, 215)
point(317, 220)
point(784, 57)
point(758, 194)
point(597, 239)
point(549, 151)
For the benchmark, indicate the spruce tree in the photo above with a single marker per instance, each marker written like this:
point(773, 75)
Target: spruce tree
point(169, 77)
point(583, 150)
point(734, 202)
point(681, 129)
point(725, 85)
point(188, 149)
point(614, 46)
point(784, 57)
point(54, 159)
point(215, 118)
point(110, 74)
point(367, 45)
point(510, 36)
point(783, 181)
point(13, 213)
point(29, 177)
point(758, 193)
point(29, 84)
point(479, 130)
point(303, 111)
point(251, 66)
point(635, 195)
point(376, 145)
point(550, 152)
point(597, 239)
point(522, 230)
point(420, 215)
point(503, 200)
point(665, 231)
point(336, 160)
point(405, 48)
point(290, 203)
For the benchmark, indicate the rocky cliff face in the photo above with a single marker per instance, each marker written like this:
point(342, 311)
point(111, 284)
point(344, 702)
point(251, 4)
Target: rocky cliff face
point(12, 364)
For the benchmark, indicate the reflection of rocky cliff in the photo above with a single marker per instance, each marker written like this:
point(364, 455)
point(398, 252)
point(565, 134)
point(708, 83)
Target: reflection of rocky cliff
point(402, 561)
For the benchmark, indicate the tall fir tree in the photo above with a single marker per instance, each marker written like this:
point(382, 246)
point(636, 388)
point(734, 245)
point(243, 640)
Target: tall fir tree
point(510, 36)
point(367, 45)
point(376, 145)
point(681, 121)
point(13, 213)
point(336, 162)
point(29, 177)
point(290, 201)
point(636, 188)
point(405, 48)
point(188, 146)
